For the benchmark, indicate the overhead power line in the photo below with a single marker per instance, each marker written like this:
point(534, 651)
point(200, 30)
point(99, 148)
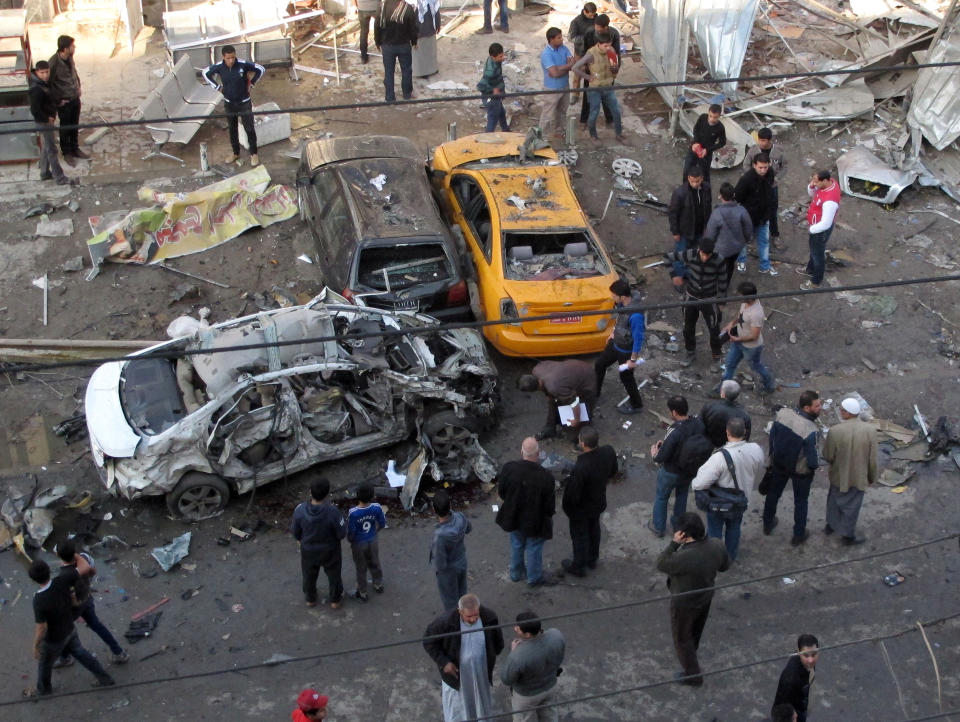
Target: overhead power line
point(724, 670)
point(432, 329)
point(546, 618)
point(517, 94)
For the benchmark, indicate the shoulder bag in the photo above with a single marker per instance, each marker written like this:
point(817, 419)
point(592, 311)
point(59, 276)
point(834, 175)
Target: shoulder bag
point(725, 503)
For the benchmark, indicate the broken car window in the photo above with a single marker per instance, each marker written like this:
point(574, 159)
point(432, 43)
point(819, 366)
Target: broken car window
point(391, 268)
point(551, 255)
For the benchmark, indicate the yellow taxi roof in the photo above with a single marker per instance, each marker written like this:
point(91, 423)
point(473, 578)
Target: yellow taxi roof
point(544, 192)
point(473, 148)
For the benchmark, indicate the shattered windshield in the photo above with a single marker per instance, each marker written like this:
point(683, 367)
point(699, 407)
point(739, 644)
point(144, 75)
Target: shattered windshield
point(551, 256)
point(401, 266)
point(150, 396)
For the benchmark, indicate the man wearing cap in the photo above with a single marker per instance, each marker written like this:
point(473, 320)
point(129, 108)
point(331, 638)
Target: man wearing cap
point(311, 705)
point(851, 450)
point(562, 382)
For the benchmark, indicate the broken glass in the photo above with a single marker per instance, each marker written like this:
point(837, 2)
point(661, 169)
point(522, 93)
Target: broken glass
point(551, 256)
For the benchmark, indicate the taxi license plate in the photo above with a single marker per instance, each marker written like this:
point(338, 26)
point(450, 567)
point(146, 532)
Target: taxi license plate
point(569, 318)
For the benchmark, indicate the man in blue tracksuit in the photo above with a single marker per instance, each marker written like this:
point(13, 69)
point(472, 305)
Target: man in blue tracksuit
point(793, 457)
point(236, 79)
point(626, 341)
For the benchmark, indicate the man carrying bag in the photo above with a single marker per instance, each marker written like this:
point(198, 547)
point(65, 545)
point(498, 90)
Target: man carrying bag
point(723, 484)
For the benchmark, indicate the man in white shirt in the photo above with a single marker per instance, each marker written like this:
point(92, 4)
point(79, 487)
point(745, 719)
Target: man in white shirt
point(747, 460)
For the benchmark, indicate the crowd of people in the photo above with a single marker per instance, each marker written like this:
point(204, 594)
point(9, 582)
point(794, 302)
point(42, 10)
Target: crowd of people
point(709, 454)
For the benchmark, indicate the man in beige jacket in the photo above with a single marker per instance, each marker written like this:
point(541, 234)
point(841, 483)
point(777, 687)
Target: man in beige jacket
point(851, 450)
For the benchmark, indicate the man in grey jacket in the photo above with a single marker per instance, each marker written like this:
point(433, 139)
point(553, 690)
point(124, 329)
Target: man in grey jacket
point(532, 669)
point(730, 228)
point(448, 553)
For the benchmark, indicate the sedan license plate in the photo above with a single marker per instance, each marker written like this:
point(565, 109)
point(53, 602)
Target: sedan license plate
point(408, 305)
point(568, 318)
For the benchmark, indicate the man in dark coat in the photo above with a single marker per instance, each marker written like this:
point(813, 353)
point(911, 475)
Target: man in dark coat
point(462, 660)
point(797, 677)
point(709, 135)
point(529, 502)
point(585, 499)
point(716, 414)
point(754, 191)
point(705, 280)
point(43, 107)
point(687, 214)
point(691, 562)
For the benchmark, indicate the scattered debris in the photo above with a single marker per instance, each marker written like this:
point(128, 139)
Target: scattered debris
point(142, 627)
point(43, 209)
point(55, 229)
point(447, 85)
point(167, 556)
point(518, 202)
point(73, 264)
point(378, 181)
point(892, 580)
point(151, 608)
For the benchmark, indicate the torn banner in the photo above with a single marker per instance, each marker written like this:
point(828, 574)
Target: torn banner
point(184, 223)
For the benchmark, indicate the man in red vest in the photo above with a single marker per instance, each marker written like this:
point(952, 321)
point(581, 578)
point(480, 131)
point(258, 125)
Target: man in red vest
point(825, 195)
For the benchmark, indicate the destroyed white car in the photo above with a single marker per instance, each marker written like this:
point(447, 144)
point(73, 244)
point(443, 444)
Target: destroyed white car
point(203, 426)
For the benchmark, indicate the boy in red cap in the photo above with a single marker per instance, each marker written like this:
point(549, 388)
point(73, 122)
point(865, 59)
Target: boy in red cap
point(311, 705)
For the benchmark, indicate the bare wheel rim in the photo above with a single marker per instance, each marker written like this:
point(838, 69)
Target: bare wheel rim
point(200, 501)
point(627, 168)
point(451, 440)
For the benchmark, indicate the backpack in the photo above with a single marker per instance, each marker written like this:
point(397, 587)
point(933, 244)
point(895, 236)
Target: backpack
point(694, 452)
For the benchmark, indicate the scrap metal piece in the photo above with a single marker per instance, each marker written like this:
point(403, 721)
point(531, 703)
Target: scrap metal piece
point(722, 31)
point(863, 175)
point(935, 108)
point(627, 168)
point(843, 103)
point(43, 209)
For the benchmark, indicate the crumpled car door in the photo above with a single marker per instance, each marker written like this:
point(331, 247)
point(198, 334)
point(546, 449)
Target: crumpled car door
point(258, 428)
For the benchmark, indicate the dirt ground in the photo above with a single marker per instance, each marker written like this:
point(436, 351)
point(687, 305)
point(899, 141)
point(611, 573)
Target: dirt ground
point(896, 347)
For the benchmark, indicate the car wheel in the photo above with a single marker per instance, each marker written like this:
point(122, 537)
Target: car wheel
point(449, 434)
point(198, 496)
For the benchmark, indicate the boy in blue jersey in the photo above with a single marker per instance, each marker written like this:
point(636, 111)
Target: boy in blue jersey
point(363, 523)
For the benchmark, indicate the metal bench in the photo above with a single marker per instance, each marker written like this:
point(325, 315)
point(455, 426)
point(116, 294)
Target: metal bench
point(191, 91)
point(169, 101)
point(164, 132)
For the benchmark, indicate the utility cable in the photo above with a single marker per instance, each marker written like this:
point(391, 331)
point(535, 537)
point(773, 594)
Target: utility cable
point(545, 618)
point(439, 327)
point(715, 672)
point(506, 96)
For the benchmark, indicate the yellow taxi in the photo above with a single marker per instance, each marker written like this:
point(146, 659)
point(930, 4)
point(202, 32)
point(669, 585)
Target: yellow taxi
point(533, 251)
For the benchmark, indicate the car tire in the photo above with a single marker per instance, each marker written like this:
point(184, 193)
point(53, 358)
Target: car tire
point(448, 433)
point(198, 496)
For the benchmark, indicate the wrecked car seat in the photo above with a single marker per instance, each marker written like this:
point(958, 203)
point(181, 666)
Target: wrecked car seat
point(368, 345)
